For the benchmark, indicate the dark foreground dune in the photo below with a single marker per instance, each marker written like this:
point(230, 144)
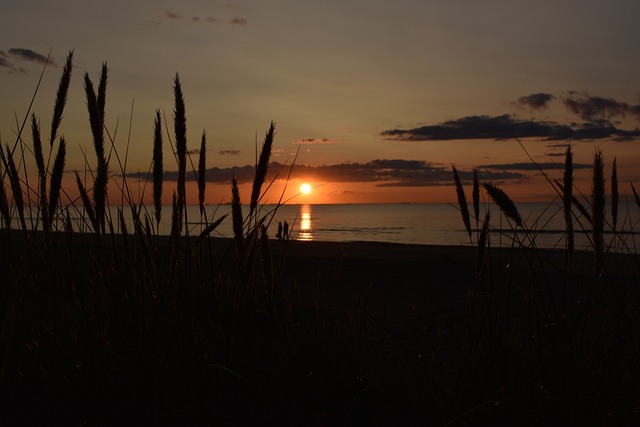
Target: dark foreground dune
point(359, 333)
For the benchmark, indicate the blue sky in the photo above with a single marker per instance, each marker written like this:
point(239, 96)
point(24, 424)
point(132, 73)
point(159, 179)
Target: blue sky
point(349, 82)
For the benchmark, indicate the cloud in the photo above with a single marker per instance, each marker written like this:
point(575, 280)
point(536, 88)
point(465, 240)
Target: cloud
point(531, 166)
point(238, 21)
point(235, 21)
point(229, 152)
point(507, 126)
point(382, 172)
point(315, 141)
point(29, 55)
point(536, 101)
point(596, 109)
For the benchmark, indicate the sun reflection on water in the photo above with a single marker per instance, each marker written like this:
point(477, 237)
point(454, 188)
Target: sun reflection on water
point(306, 231)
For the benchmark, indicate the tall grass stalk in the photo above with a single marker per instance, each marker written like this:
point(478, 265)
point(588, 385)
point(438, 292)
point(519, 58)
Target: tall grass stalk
point(236, 217)
point(475, 194)
point(614, 195)
point(202, 171)
point(567, 197)
point(180, 129)
point(462, 202)
point(598, 209)
point(4, 202)
point(96, 108)
point(261, 168)
point(88, 206)
point(56, 179)
point(42, 172)
point(16, 188)
point(158, 170)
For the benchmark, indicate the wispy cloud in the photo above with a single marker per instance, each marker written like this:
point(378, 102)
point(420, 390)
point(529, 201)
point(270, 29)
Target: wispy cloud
point(382, 172)
point(238, 21)
point(7, 59)
point(229, 152)
point(175, 16)
point(23, 54)
point(536, 101)
point(316, 141)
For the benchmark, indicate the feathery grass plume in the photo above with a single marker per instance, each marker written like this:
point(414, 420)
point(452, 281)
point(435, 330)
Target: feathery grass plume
point(96, 120)
point(42, 171)
point(614, 195)
point(462, 201)
point(504, 202)
point(635, 195)
point(88, 206)
point(102, 89)
point(56, 179)
point(236, 215)
point(261, 167)
point(597, 208)
point(61, 98)
point(14, 180)
point(476, 197)
point(180, 128)
point(210, 228)
point(567, 196)
point(202, 169)
point(482, 244)
point(158, 170)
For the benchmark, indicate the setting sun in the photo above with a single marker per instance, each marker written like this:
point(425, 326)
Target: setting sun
point(305, 188)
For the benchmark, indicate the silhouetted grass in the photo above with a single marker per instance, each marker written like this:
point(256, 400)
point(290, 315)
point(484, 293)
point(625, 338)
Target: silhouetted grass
point(136, 327)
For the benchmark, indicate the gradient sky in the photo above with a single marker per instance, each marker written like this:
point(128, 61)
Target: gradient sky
point(380, 97)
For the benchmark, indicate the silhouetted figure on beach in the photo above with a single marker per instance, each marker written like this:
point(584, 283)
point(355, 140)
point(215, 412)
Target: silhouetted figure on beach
point(279, 233)
point(286, 230)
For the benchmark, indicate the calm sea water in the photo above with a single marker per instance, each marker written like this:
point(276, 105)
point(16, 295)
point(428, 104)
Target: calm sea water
point(433, 224)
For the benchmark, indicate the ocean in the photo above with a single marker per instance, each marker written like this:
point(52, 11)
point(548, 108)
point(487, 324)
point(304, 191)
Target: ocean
point(429, 224)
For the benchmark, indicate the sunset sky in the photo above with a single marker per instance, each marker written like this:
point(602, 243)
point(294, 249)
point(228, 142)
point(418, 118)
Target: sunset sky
point(379, 97)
